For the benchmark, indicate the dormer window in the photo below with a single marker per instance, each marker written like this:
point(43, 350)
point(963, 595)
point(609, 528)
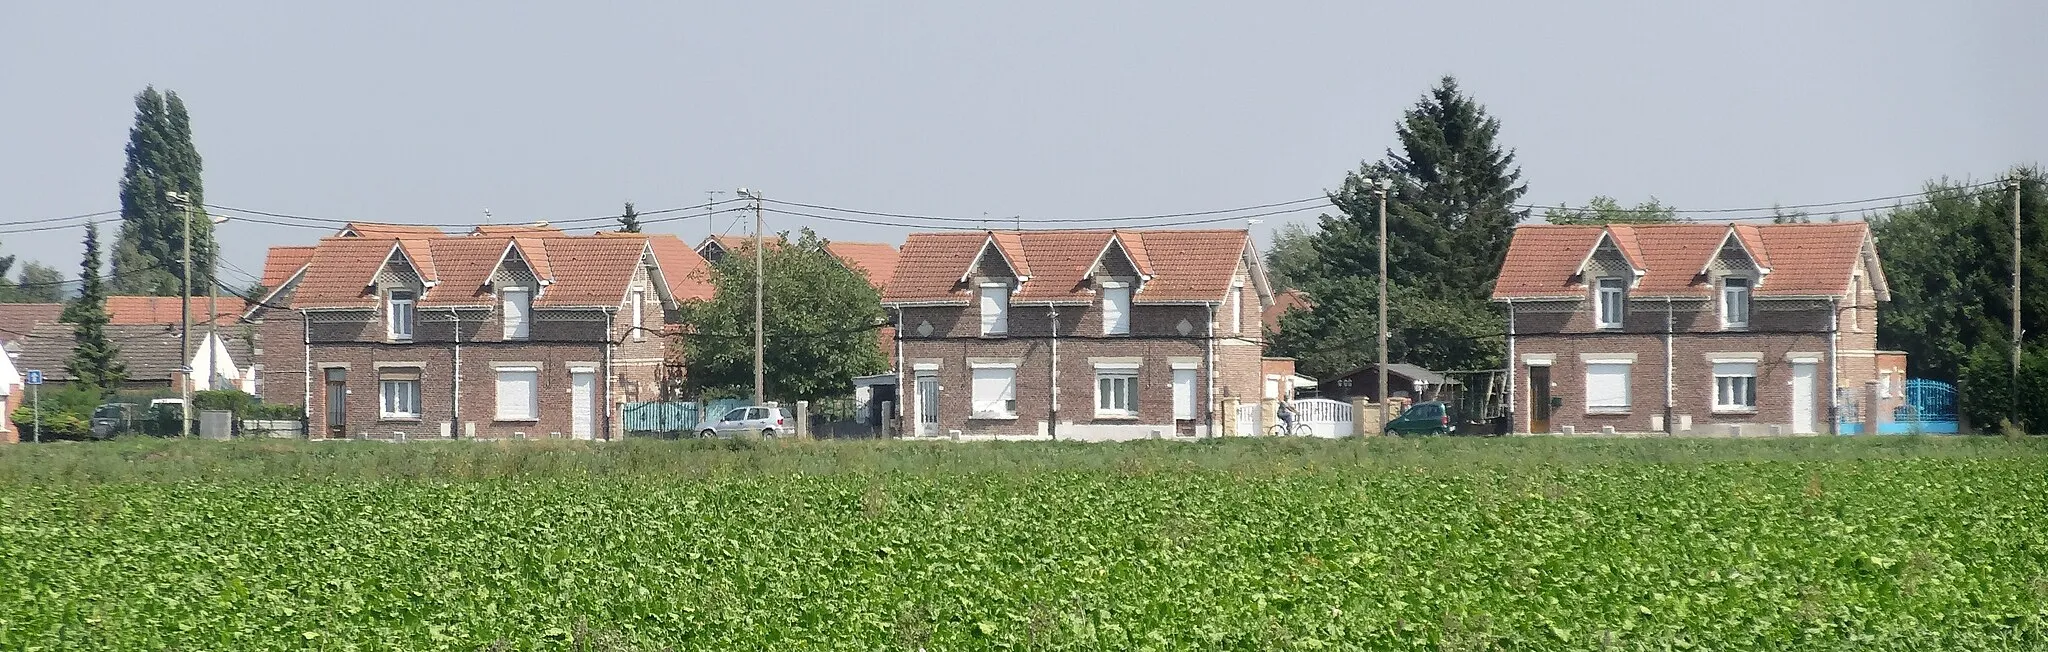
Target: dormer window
point(518, 306)
point(398, 315)
point(1611, 295)
point(1735, 302)
point(1116, 308)
point(995, 309)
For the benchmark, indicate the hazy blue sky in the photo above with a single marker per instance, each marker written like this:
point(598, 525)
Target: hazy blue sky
point(432, 112)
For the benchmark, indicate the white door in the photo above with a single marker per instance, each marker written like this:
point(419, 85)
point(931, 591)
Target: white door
point(927, 406)
point(1802, 397)
point(583, 404)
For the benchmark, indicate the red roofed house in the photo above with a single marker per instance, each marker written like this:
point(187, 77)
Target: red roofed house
point(385, 332)
point(1704, 328)
point(1076, 334)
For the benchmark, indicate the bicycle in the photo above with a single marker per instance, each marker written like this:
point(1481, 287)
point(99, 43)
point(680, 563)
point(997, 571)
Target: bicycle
point(1299, 429)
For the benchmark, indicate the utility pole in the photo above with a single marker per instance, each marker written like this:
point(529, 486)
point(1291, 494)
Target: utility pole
point(185, 318)
point(2013, 388)
point(1380, 187)
point(760, 287)
point(710, 201)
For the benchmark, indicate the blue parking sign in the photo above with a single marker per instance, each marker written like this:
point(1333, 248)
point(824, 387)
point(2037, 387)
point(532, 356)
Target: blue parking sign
point(35, 376)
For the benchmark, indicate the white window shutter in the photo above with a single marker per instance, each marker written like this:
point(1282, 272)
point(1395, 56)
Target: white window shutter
point(1116, 309)
point(518, 304)
point(993, 389)
point(1183, 393)
point(995, 310)
point(1607, 385)
point(517, 393)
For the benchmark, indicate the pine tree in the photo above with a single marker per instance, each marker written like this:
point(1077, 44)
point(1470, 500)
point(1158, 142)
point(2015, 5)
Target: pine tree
point(629, 222)
point(1450, 214)
point(149, 250)
point(95, 360)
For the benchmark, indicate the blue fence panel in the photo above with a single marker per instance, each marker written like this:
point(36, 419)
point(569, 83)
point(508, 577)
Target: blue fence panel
point(676, 417)
point(1929, 409)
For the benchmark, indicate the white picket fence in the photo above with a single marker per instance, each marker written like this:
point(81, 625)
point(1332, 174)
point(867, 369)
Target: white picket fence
point(1248, 420)
point(1324, 417)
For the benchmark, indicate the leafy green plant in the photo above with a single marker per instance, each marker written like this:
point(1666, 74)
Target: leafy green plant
point(1527, 544)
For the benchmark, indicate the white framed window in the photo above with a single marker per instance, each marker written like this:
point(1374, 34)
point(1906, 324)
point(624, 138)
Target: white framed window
point(1735, 302)
point(1116, 308)
point(995, 308)
point(1884, 385)
point(398, 315)
point(1116, 390)
point(1183, 391)
point(518, 394)
point(1612, 295)
point(398, 395)
point(1734, 387)
point(995, 391)
point(1237, 307)
point(639, 299)
point(1607, 386)
point(518, 306)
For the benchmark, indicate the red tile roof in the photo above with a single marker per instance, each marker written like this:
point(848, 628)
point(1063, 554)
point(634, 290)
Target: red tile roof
point(1186, 265)
point(687, 275)
point(1284, 301)
point(536, 229)
point(380, 230)
point(282, 263)
point(591, 270)
point(143, 310)
point(341, 271)
point(874, 260)
point(1802, 259)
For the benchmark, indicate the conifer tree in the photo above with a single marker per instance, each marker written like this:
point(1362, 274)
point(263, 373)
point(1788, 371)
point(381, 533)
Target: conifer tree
point(95, 360)
point(149, 250)
point(629, 222)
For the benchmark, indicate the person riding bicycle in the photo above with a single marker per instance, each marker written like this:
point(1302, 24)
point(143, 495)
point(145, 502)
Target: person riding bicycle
point(1285, 412)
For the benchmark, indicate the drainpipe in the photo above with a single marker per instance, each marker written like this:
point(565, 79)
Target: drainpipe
point(611, 317)
point(1834, 366)
point(902, 379)
point(1670, 325)
point(1514, 368)
point(1210, 371)
point(306, 326)
point(1054, 424)
point(455, 400)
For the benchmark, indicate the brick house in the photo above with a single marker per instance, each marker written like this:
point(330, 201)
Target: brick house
point(512, 332)
point(1082, 334)
point(1707, 328)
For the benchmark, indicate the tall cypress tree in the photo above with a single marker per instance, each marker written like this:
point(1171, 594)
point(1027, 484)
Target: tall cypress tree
point(629, 222)
point(149, 251)
point(95, 360)
point(1450, 214)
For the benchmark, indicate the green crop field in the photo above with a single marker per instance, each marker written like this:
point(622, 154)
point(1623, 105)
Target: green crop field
point(1519, 544)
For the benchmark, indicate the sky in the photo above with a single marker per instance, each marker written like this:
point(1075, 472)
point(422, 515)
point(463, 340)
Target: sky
point(438, 111)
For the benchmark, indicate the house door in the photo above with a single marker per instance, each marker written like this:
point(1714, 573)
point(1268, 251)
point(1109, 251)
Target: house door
point(1539, 399)
point(927, 406)
point(1802, 397)
point(583, 404)
point(337, 402)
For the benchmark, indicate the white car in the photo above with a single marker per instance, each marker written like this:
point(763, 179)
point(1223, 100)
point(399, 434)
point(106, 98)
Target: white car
point(768, 421)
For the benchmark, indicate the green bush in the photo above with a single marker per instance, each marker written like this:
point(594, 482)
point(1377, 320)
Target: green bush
point(232, 400)
point(67, 413)
point(1986, 391)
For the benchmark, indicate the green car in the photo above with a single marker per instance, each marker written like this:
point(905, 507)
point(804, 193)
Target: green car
point(1432, 418)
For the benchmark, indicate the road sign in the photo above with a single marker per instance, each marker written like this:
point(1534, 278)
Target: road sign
point(35, 376)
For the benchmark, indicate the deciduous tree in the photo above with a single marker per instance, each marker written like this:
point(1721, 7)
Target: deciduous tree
point(821, 320)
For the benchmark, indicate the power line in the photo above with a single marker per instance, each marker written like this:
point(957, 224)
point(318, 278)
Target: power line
point(570, 222)
point(1230, 218)
point(984, 220)
point(47, 220)
point(1774, 209)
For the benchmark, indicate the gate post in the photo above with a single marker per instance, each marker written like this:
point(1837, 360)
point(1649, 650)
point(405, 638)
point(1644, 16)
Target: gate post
point(1873, 408)
point(803, 419)
point(1227, 425)
point(1363, 414)
point(1269, 414)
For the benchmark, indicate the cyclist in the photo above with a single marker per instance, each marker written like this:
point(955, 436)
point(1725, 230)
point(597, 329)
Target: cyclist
point(1286, 414)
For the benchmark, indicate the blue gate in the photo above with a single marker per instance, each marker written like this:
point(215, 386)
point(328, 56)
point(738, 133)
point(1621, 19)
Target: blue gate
point(674, 418)
point(1930, 408)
